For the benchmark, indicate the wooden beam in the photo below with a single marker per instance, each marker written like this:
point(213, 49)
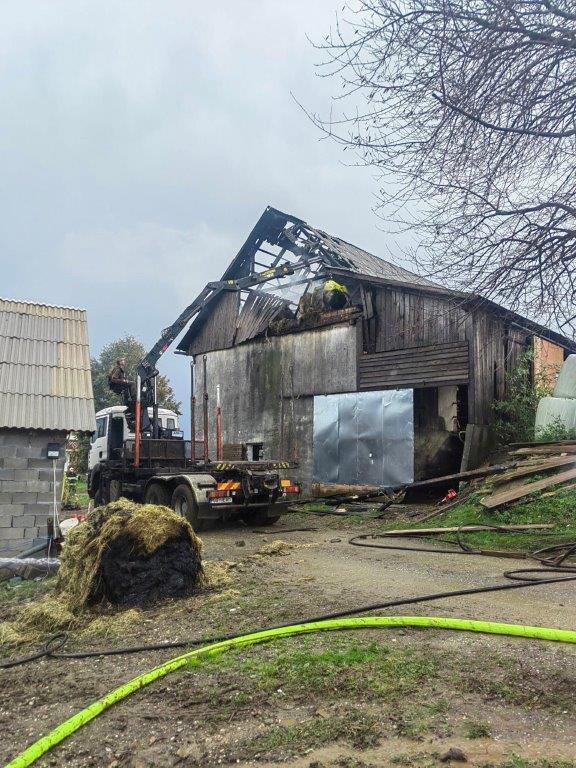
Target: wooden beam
point(469, 475)
point(465, 528)
point(499, 499)
point(534, 469)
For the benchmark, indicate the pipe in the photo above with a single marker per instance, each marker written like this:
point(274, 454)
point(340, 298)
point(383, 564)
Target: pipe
point(155, 423)
point(192, 413)
point(138, 424)
point(218, 424)
point(206, 453)
point(193, 658)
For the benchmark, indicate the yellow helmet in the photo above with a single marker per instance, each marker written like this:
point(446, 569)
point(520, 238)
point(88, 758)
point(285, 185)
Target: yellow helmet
point(332, 285)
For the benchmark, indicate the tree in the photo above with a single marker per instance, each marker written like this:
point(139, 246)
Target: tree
point(133, 350)
point(470, 121)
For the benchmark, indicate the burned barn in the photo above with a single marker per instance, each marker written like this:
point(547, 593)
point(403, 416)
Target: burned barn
point(397, 383)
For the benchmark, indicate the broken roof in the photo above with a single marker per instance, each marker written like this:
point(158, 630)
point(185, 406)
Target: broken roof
point(280, 238)
point(45, 380)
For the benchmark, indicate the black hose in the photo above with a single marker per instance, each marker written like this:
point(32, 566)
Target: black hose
point(54, 643)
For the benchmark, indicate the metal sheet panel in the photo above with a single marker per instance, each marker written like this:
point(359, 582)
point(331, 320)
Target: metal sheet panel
point(364, 438)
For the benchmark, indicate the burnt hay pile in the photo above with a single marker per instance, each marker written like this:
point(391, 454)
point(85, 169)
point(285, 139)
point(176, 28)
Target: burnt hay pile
point(129, 554)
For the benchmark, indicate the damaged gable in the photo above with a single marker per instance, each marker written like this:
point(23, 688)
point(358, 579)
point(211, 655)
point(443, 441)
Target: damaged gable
point(281, 239)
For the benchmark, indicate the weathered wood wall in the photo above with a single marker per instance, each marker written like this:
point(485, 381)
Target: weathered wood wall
point(437, 365)
point(254, 376)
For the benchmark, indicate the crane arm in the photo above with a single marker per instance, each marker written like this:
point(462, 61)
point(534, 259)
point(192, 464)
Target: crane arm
point(147, 368)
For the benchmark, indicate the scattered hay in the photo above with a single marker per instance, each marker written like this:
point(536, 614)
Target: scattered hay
point(129, 554)
point(9, 634)
point(47, 615)
point(278, 547)
point(217, 573)
point(112, 625)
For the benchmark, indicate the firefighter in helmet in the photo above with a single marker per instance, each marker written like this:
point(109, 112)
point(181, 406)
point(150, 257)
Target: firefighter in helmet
point(334, 295)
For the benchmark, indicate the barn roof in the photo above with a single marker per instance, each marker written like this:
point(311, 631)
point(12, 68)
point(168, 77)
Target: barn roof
point(45, 380)
point(281, 238)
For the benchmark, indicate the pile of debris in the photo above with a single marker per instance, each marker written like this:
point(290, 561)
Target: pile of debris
point(554, 462)
point(129, 554)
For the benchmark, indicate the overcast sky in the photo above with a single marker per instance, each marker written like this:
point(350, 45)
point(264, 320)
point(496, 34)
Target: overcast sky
point(140, 140)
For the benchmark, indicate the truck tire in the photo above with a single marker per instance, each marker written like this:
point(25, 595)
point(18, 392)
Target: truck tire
point(157, 493)
point(184, 503)
point(262, 517)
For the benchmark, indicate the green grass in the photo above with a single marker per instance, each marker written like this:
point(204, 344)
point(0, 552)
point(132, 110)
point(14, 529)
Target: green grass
point(348, 666)
point(23, 592)
point(559, 510)
point(478, 731)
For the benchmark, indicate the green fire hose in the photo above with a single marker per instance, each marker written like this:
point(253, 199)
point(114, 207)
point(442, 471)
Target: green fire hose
point(68, 727)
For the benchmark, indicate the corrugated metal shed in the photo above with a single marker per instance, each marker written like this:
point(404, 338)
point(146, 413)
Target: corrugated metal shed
point(45, 378)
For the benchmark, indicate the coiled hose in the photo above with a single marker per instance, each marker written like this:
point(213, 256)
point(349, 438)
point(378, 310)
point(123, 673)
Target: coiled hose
point(70, 726)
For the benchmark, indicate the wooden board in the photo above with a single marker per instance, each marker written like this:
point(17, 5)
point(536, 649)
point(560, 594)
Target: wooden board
point(545, 450)
point(534, 468)
point(434, 365)
point(470, 475)
point(464, 528)
point(498, 499)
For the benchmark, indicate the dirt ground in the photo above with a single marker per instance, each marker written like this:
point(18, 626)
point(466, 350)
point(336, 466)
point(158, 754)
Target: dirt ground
point(355, 699)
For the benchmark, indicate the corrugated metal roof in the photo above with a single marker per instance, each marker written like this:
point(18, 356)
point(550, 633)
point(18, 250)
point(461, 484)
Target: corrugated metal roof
point(45, 378)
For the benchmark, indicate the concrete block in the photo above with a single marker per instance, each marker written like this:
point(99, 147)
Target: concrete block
point(39, 509)
point(24, 521)
point(42, 530)
point(7, 451)
point(46, 497)
point(7, 474)
point(25, 498)
point(47, 474)
point(5, 521)
point(15, 463)
point(11, 509)
point(39, 464)
point(5, 497)
point(14, 486)
point(12, 534)
point(31, 533)
point(26, 474)
point(37, 486)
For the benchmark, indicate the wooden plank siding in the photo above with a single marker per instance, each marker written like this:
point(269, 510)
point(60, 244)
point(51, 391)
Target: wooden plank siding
point(430, 366)
point(217, 331)
point(403, 318)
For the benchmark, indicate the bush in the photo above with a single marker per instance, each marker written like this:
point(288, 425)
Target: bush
point(515, 414)
point(555, 431)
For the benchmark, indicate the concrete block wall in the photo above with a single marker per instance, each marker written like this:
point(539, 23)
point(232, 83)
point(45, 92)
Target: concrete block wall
point(27, 486)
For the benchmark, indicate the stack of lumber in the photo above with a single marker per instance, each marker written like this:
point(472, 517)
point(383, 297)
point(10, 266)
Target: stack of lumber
point(556, 462)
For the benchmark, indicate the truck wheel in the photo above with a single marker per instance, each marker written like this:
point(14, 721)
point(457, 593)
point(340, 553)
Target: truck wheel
point(157, 493)
point(184, 503)
point(262, 517)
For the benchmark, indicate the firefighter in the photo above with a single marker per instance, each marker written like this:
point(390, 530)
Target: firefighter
point(120, 384)
point(123, 386)
point(334, 295)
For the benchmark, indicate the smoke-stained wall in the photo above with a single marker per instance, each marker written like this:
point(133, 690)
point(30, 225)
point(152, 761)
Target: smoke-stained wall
point(255, 378)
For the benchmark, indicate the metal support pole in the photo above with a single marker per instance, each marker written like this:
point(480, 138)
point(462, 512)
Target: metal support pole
point(282, 421)
point(218, 424)
point(138, 424)
point(155, 421)
point(206, 454)
point(192, 413)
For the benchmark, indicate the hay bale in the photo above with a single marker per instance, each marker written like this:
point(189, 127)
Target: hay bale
point(129, 554)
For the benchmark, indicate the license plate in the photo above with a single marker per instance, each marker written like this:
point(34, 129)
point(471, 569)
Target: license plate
point(223, 500)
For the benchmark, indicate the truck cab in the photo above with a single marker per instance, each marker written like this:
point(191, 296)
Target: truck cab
point(112, 431)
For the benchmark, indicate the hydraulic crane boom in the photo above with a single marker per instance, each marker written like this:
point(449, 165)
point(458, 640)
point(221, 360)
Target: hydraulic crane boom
point(147, 370)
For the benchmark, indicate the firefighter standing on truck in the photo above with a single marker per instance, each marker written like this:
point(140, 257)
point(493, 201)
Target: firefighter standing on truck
point(123, 386)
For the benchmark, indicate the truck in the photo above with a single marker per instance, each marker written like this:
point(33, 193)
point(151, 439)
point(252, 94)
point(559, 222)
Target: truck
point(168, 474)
point(152, 463)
